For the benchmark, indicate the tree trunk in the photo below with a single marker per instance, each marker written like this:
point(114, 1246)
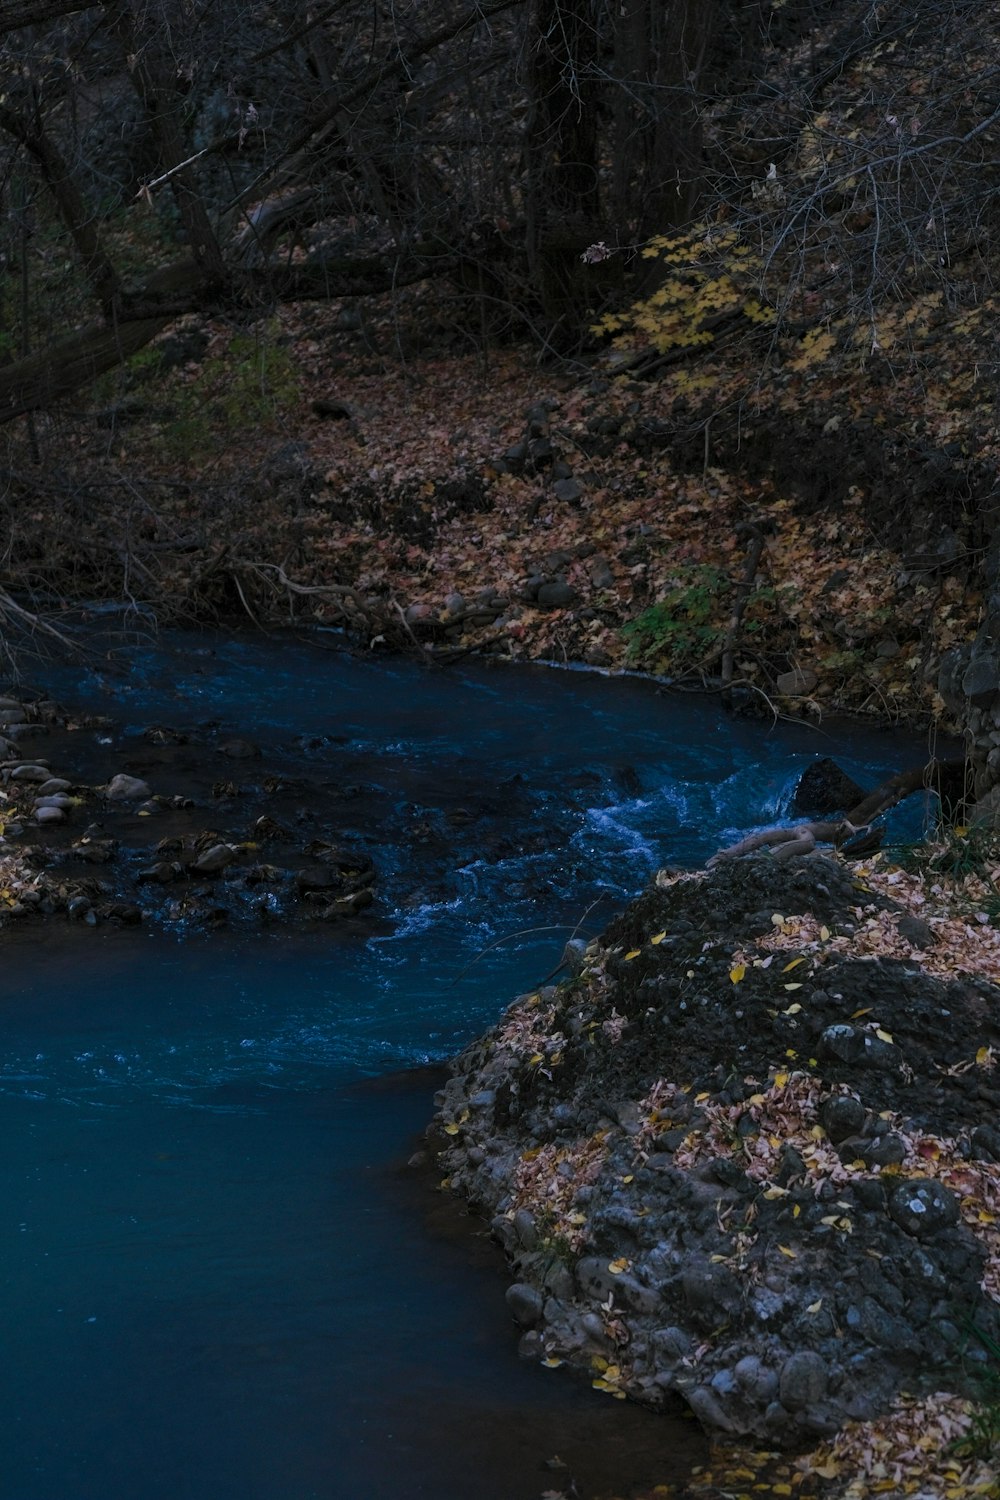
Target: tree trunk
point(561, 154)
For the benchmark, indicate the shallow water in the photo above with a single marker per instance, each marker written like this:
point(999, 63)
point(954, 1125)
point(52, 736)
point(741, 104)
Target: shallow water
point(218, 1280)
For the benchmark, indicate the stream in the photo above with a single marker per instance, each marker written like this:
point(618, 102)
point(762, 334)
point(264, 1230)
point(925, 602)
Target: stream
point(221, 1281)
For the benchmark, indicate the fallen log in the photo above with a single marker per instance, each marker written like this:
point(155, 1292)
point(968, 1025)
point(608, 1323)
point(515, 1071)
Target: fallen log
point(946, 778)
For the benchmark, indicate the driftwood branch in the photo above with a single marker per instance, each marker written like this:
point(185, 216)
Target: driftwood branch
point(945, 777)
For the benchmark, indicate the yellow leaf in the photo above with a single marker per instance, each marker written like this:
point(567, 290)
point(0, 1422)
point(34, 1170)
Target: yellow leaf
point(535, 1059)
point(864, 1012)
point(451, 1128)
point(658, 937)
point(984, 1054)
point(814, 1307)
point(629, 1178)
point(884, 1036)
point(776, 919)
point(776, 1192)
point(737, 973)
point(780, 1079)
point(634, 954)
point(598, 1362)
point(793, 965)
point(824, 934)
point(551, 1362)
point(796, 1210)
point(781, 1489)
point(690, 973)
point(792, 987)
point(756, 1099)
point(616, 1267)
point(789, 1253)
point(700, 1098)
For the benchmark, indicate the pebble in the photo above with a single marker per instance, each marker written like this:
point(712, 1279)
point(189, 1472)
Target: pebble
point(50, 815)
point(54, 784)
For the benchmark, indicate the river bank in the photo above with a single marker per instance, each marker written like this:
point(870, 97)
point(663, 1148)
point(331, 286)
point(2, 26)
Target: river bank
point(748, 1155)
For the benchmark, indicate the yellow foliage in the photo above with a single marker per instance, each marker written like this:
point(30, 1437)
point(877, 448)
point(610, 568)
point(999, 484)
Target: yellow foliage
point(712, 276)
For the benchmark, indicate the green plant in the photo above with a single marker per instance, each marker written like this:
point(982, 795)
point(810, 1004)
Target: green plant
point(685, 624)
point(982, 1441)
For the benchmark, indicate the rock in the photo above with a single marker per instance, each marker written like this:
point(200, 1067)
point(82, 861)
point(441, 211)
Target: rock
point(981, 680)
point(797, 683)
point(48, 815)
point(759, 1384)
point(601, 575)
point(558, 594)
point(803, 1380)
point(575, 955)
point(921, 1206)
point(823, 788)
point(525, 1303)
point(349, 906)
point(30, 773)
point(238, 749)
point(77, 907)
point(526, 1229)
point(122, 788)
point(567, 490)
point(708, 1409)
point(986, 1143)
point(420, 614)
point(455, 604)
point(214, 860)
point(915, 930)
point(52, 785)
point(843, 1042)
point(841, 1116)
point(12, 715)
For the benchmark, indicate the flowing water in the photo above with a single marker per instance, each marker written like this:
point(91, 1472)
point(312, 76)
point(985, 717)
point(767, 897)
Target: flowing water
point(220, 1283)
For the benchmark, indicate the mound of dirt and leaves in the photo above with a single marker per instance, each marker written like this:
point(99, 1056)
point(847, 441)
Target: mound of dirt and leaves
point(748, 1155)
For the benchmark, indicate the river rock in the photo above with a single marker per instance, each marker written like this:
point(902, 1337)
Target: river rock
point(798, 683)
point(30, 773)
point(14, 714)
point(525, 1303)
point(215, 859)
point(122, 788)
point(823, 788)
point(54, 784)
point(238, 749)
point(803, 1380)
point(47, 815)
point(557, 594)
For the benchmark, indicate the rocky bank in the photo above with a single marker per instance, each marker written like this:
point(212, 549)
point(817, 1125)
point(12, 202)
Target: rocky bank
point(748, 1154)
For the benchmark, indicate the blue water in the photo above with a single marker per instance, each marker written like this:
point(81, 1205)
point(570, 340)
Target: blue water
point(217, 1284)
